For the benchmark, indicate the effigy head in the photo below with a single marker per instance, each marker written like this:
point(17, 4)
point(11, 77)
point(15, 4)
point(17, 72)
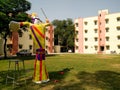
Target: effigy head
point(35, 18)
point(34, 15)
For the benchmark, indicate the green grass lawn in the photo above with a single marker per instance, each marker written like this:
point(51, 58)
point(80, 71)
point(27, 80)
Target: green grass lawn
point(71, 72)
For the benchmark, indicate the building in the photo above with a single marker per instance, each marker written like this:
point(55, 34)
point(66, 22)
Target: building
point(50, 39)
point(98, 34)
point(23, 40)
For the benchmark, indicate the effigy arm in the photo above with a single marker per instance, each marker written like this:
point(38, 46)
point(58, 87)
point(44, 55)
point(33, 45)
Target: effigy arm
point(47, 23)
point(14, 26)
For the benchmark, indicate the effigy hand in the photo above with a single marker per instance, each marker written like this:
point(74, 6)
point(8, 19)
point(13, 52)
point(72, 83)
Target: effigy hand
point(14, 26)
point(47, 21)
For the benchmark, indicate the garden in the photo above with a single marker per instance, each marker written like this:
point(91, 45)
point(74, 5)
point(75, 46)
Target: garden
point(68, 72)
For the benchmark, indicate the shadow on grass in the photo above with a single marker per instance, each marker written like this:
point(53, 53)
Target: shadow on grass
point(55, 77)
point(59, 75)
point(100, 80)
point(11, 73)
point(3, 75)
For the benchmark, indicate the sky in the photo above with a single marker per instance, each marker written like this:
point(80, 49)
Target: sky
point(63, 9)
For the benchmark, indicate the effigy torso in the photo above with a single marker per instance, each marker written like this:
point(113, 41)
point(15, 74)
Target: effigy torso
point(38, 33)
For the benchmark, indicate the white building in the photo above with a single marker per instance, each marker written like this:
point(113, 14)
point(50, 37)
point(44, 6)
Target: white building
point(98, 34)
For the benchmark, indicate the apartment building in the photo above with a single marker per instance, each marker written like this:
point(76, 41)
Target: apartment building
point(98, 34)
point(23, 40)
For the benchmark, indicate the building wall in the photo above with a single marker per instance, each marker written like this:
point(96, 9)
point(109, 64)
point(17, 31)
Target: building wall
point(98, 34)
point(79, 36)
point(14, 43)
point(101, 31)
point(50, 39)
point(114, 32)
point(17, 42)
point(25, 41)
point(89, 35)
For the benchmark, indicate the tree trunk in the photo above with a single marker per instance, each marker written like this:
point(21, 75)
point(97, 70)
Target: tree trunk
point(5, 53)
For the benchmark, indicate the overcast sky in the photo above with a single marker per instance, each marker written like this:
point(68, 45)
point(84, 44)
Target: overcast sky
point(63, 9)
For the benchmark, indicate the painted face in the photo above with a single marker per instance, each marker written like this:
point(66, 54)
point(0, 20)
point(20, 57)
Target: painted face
point(35, 18)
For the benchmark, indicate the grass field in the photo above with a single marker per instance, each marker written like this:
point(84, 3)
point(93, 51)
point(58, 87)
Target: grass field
point(71, 72)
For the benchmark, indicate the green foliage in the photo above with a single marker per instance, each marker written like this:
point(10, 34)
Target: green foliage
point(64, 33)
point(22, 17)
point(12, 10)
point(14, 6)
point(3, 21)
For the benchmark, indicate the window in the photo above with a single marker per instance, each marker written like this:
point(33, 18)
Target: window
point(86, 39)
point(118, 28)
point(107, 21)
point(96, 47)
point(9, 47)
point(118, 46)
point(95, 30)
point(30, 37)
point(20, 46)
point(20, 34)
point(85, 23)
point(46, 47)
point(77, 40)
point(101, 48)
point(76, 47)
point(86, 47)
point(96, 39)
point(118, 18)
point(118, 37)
point(107, 29)
point(95, 22)
point(76, 32)
point(46, 38)
point(30, 47)
point(76, 24)
point(107, 38)
point(107, 47)
point(86, 31)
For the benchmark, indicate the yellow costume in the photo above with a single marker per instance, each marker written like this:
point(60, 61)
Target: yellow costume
point(38, 33)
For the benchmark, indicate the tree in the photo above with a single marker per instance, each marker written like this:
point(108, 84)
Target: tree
point(64, 33)
point(12, 10)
